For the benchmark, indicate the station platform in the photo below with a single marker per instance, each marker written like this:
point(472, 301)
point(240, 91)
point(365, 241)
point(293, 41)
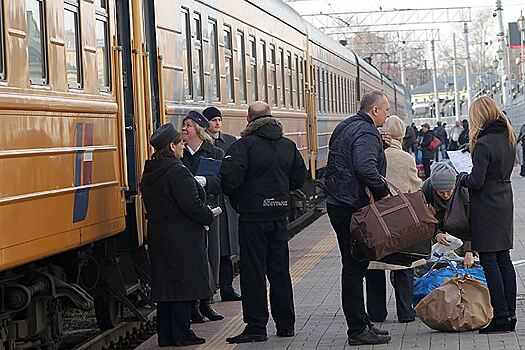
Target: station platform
point(320, 324)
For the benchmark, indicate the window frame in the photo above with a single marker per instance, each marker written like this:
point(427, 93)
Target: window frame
point(3, 74)
point(228, 56)
point(74, 6)
point(197, 72)
point(254, 67)
point(264, 68)
point(282, 86)
point(186, 29)
point(289, 64)
point(214, 58)
point(44, 47)
point(241, 56)
point(102, 15)
point(273, 70)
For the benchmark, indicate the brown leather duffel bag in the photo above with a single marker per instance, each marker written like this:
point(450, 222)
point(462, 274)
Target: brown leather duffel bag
point(392, 224)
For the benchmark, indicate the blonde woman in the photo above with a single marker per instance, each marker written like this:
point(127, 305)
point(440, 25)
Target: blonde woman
point(198, 146)
point(400, 171)
point(493, 149)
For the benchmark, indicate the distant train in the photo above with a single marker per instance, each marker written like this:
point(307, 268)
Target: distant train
point(82, 86)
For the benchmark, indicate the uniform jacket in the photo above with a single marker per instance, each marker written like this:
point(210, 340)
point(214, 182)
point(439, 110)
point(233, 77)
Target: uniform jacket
point(491, 204)
point(228, 220)
point(261, 169)
point(176, 216)
point(427, 139)
point(356, 159)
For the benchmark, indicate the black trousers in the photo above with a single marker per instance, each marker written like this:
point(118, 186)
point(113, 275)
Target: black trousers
point(264, 253)
point(225, 273)
point(426, 166)
point(173, 321)
point(403, 282)
point(353, 272)
point(501, 280)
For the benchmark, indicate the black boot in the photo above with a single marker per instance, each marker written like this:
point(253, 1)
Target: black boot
point(229, 294)
point(196, 316)
point(207, 311)
point(368, 337)
point(498, 325)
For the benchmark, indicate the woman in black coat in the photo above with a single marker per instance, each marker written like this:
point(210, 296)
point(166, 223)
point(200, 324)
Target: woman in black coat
point(198, 146)
point(427, 153)
point(493, 145)
point(177, 214)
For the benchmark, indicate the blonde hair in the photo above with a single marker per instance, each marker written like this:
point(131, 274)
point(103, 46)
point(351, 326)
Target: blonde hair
point(481, 111)
point(201, 132)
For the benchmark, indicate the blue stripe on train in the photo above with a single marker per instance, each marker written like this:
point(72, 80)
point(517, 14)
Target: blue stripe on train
point(81, 202)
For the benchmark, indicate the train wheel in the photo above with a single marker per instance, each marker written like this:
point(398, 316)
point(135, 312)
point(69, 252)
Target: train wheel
point(107, 311)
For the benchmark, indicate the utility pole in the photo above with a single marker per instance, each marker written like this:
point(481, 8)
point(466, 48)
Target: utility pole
point(434, 78)
point(467, 66)
point(402, 63)
point(504, 64)
point(456, 88)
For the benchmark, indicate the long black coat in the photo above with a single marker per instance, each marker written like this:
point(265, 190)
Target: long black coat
point(176, 215)
point(228, 220)
point(492, 206)
point(213, 190)
point(425, 143)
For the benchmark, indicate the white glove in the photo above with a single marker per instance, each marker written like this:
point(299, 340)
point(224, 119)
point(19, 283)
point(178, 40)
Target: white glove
point(216, 211)
point(201, 180)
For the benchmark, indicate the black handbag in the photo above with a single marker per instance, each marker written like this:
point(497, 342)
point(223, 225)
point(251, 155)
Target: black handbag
point(457, 214)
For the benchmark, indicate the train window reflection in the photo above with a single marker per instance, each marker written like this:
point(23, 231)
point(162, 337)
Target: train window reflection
point(241, 57)
point(228, 63)
point(298, 81)
point(37, 46)
point(253, 68)
point(214, 59)
point(72, 45)
point(102, 46)
point(198, 62)
point(264, 76)
point(290, 79)
point(274, 74)
point(282, 79)
point(2, 47)
point(186, 55)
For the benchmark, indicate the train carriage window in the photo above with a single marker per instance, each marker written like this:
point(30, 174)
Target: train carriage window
point(198, 62)
point(332, 93)
point(273, 69)
point(340, 98)
point(37, 43)
point(322, 91)
point(298, 69)
point(262, 55)
point(102, 45)
point(72, 44)
point(228, 63)
point(282, 80)
point(241, 57)
point(253, 68)
point(328, 91)
point(301, 79)
point(214, 59)
point(319, 90)
point(186, 54)
point(290, 78)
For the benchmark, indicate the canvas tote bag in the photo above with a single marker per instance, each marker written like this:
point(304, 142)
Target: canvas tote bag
point(392, 224)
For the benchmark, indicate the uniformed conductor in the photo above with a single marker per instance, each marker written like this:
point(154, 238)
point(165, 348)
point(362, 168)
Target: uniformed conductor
point(258, 173)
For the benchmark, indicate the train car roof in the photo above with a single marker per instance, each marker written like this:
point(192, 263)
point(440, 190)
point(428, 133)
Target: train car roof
point(329, 43)
point(281, 11)
point(400, 87)
point(388, 82)
point(367, 66)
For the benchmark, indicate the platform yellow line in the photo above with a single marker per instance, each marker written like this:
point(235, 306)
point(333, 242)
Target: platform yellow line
point(297, 272)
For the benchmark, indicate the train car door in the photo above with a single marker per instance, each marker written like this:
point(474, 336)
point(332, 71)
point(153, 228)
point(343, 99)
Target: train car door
point(311, 112)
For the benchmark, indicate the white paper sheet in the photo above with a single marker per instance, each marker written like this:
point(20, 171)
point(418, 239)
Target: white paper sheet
point(461, 161)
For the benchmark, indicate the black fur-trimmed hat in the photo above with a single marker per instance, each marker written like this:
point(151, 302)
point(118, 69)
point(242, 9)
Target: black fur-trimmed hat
point(163, 136)
point(198, 119)
point(211, 112)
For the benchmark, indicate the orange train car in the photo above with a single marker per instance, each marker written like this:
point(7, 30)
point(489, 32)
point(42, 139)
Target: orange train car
point(83, 83)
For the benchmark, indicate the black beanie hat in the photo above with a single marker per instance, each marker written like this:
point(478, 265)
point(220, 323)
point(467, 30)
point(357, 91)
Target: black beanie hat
point(211, 112)
point(163, 136)
point(197, 118)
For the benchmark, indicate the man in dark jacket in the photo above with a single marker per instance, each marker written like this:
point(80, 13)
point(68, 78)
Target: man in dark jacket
point(228, 236)
point(441, 133)
point(428, 154)
point(356, 160)
point(464, 136)
point(258, 173)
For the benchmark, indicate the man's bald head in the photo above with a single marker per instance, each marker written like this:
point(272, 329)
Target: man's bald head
point(258, 109)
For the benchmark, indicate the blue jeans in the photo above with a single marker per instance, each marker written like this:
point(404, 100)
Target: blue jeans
point(501, 280)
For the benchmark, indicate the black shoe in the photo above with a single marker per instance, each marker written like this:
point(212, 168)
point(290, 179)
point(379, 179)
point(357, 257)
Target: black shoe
point(368, 337)
point(245, 337)
point(513, 321)
point(497, 326)
point(190, 341)
point(230, 295)
point(285, 332)
point(209, 312)
point(196, 316)
point(377, 330)
point(406, 320)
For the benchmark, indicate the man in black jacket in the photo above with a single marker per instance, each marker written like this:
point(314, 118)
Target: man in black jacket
point(356, 160)
point(427, 153)
point(258, 173)
point(228, 236)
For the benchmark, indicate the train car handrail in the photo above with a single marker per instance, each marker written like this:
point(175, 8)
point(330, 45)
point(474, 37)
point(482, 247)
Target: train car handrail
point(27, 152)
